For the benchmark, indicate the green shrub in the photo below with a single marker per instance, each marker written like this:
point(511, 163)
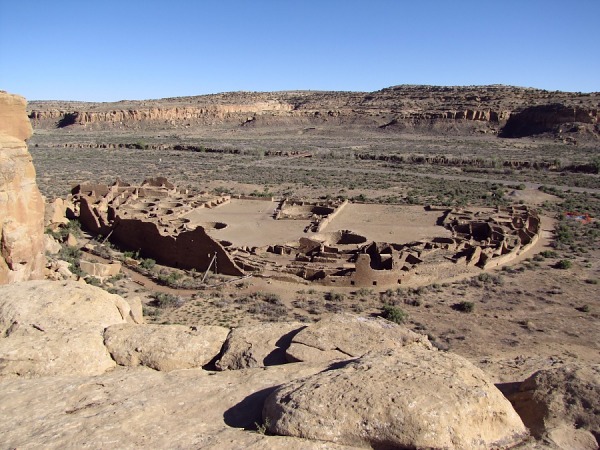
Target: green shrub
point(393, 314)
point(93, 281)
point(564, 264)
point(72, 255)
point(147, 263)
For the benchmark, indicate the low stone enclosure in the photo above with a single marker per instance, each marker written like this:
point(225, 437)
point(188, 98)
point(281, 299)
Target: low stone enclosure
point(154, 218)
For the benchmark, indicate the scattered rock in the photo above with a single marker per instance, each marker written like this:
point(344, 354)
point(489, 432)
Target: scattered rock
point(342, 336)
point(257, 345)
point(164, 347)
point(56, 213)
point(71, 240)
point(407, 397)
point(136, 313)
point(51, 245)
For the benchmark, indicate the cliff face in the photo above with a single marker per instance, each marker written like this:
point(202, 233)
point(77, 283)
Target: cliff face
point(21, 204)
point(400, 108)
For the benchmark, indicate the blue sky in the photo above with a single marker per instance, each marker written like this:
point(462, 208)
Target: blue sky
point(112, 50)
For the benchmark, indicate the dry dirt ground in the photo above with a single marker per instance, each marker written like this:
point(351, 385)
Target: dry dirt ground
point(539, 311)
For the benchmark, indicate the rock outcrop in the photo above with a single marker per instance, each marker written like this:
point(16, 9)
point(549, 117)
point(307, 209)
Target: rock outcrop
point(562, 405)
point(56, 328)
point(343, 336)
point(76, 372)
point(257, 345)
point(21, 204)
point(402, 398)
point(164, 347)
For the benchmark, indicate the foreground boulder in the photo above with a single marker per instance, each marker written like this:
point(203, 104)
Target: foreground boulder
point(259, 345)
point(343, 336)
point(562, 405)
point(54, 328)
point(410, 397)
point(164, 347)
point(21, 204)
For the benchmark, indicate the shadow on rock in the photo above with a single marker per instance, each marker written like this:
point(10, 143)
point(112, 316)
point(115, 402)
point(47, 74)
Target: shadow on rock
point(247, 413)
point(277, 356)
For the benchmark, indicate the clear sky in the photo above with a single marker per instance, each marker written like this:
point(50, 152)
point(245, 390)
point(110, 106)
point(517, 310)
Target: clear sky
point(107, 50)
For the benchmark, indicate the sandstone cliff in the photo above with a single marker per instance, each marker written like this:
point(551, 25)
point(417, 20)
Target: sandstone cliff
point(21, 204)
point(461, 110)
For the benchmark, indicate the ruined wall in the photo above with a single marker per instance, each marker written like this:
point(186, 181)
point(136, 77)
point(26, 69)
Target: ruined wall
point(21, 204)
point(365, 276)
point(188, 250)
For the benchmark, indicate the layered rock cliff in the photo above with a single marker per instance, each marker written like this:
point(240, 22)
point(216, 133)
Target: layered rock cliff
point(21, 204)
point(462, 110)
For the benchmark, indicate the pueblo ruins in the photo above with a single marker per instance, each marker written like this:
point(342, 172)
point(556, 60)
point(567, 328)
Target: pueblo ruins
point(231, 235)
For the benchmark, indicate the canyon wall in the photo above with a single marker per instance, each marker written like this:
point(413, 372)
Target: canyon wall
point(462, 110)
point(21, 204)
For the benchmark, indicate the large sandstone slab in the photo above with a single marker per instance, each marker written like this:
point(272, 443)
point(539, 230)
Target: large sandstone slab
point(408, 397)
point(36, 353)
point(257, 345)
point(345, 335)
point(164, 347)
point(54, 328)
point(141, 408)
point(60, 306)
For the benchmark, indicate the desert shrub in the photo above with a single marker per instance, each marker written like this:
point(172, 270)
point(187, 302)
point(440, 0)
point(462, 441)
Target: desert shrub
point(131, 255)
point(464, 306)
point(172, 279)
point(334, 296)
point(364, 292)
point(72, 255)
point(147, 263)
point(564, 234)
point(272, 298)
point(548, 254)
point(116, 278)
point(393, 314)
point(166, 300)
point(93, 281)
point(564, 264)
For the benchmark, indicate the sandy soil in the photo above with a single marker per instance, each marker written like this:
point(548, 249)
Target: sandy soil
point(249, 223)
point(388, 223)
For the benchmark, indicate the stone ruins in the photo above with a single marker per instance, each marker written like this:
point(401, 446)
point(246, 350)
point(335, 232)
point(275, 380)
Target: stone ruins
point(156, 219)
